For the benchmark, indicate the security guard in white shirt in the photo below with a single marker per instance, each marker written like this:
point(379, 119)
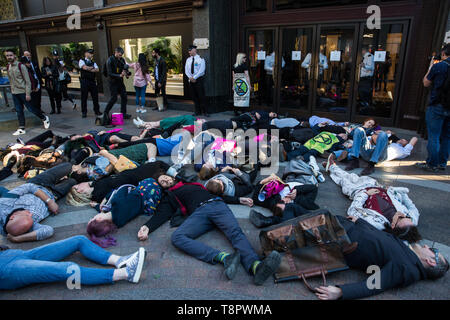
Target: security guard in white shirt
point(365, 87)
point(195, 70)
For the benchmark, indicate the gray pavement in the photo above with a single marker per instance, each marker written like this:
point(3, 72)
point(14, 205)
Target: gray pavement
point(170, 274)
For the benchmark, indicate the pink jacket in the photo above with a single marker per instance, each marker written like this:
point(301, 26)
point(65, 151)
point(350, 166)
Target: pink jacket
point(139, 79)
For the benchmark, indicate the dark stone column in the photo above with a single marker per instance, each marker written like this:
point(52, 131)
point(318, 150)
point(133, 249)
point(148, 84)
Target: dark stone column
point(102, 54)
point(213, 21)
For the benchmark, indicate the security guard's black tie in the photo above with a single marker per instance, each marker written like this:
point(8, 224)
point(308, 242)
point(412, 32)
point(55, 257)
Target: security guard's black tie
point(192, 66)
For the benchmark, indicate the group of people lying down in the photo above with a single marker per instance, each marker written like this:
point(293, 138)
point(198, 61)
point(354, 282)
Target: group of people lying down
point(118, 175)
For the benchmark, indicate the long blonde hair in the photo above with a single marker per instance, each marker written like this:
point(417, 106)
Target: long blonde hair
point(77, 199)
point(239, 59)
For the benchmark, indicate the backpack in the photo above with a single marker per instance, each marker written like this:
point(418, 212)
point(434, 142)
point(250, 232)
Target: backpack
point(444, 94)
point(302, 135)
point(299, 171)
point(20, 69)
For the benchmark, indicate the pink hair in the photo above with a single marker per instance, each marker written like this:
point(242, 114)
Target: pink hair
point(98, 232)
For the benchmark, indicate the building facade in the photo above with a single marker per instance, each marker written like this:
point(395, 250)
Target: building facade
point(305, 56)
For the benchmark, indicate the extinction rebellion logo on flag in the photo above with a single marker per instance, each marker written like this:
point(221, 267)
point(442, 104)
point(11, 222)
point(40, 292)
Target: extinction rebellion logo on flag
point(240, 87)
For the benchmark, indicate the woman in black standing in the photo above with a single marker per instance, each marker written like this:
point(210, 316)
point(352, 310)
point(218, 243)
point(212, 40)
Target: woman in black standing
point(50, 75)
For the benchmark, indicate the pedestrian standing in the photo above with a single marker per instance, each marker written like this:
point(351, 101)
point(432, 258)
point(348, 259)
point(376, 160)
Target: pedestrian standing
point(88, 70)
point(160, 77)
point(141, 78)
point(36, 96)
point(438, 113)
point(50, 75)
point(195, 70)
point(241, 83)
point(116, 70)
point(21, 91)
point(63, 78)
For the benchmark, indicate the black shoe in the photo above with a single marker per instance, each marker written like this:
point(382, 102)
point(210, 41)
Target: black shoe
point(369, 169)
point(127, 116)
point(155, 108)
point(98, 113)
point(59, 111)
point(74, 106)
point(261, 221)
point(231, 265)
point(206, 115)
point(267, 268)
point(52, 112)
point(11, 162)
point(19, 140)
point(162, 110)
point(84, 115)
point(353, 164)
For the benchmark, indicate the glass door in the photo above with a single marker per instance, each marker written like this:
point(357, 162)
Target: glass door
point(379, 69)
point(333, 70)
point(262, 66)
point(296, 72)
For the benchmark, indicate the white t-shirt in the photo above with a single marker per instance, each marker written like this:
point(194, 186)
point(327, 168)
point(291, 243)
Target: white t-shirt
point(81, 63)
point(397, 151)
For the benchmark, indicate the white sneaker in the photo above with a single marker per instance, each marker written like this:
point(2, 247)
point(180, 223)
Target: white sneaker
point(142, 122)
point(138, 110)
point(19, 132)
point(320, 177)
point(313, 164)
point(46, 122)
point(143, 110)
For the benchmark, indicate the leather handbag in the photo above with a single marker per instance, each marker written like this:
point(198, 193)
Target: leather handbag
point(310, 245)
point(123, 163)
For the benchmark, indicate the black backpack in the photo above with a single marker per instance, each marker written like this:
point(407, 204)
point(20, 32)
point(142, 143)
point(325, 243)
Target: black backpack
point(444, 94)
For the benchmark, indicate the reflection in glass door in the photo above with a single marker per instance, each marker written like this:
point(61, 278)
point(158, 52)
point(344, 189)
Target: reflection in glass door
point(296, 73)
point(333, 70)
point(262, 60)
point(378, 70)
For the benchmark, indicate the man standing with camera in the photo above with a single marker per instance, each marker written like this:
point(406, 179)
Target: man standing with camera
point(116, 70)
point(88, 69)
point(438, 113)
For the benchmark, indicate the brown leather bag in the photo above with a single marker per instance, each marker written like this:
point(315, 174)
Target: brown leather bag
point(311, 245)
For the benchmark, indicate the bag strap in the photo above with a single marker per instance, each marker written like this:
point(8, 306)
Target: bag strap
point(309, 286)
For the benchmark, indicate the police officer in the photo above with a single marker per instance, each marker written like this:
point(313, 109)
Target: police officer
point(117, 69)
point(195, 70)
point(88, 70)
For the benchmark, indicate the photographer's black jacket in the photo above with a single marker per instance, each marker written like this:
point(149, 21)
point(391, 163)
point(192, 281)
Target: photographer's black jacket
point(115, 67)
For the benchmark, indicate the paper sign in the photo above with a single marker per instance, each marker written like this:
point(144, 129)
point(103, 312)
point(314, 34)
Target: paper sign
point(447, 37)
point(261, 55)
point(296, 55)
point(380, 56)
point(335, 56)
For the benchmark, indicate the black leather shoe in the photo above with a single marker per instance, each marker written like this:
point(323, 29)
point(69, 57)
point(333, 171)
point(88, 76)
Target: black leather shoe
point(261, 221)
point(353, 164)
point(84, 115)
point(98, 113)
point(127, 116)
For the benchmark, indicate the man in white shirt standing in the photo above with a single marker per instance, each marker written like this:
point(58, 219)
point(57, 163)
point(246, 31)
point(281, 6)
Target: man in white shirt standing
point(365, 87)
point(88, 69)
point(195, 70)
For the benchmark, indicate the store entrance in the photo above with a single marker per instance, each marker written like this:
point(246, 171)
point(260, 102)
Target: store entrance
point(346, 71)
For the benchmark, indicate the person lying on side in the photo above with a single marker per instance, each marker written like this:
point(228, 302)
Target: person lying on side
point(400, 265)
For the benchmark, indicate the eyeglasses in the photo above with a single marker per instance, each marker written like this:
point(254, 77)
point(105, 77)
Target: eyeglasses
point(436, 254)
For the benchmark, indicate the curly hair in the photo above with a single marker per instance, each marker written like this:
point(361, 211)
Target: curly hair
point(409, 234)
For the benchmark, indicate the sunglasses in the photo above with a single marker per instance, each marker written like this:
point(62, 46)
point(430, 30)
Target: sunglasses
point(436, 254)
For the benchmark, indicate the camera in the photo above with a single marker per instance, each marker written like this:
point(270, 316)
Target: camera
point(127, 72)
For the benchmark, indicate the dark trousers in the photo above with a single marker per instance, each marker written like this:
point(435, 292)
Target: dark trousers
point(365, 90)
point(206, 218)
point(161, 90)
point(51, 180)
point(64, 93)
point(89, 86)
point(117, 87)
point(19, 102)
point(55, 99)
point(5, 173)
point(198, 95)
point(40, 140)
point(302, 151)
point(36, 99)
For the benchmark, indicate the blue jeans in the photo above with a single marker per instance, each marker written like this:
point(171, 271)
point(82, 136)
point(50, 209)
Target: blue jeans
point(140, 95)
point(206, 218)
point(438, 126)
point(19, 102)
point(368, 151)
point(304, 152)
point(20, 268)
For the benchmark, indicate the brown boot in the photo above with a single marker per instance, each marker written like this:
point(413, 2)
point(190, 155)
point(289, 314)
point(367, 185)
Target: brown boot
point(353, 164)
point(343, 156)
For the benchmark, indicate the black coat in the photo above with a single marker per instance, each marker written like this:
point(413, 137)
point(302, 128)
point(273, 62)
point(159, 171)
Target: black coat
point(399, 265)
point(162, 71)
